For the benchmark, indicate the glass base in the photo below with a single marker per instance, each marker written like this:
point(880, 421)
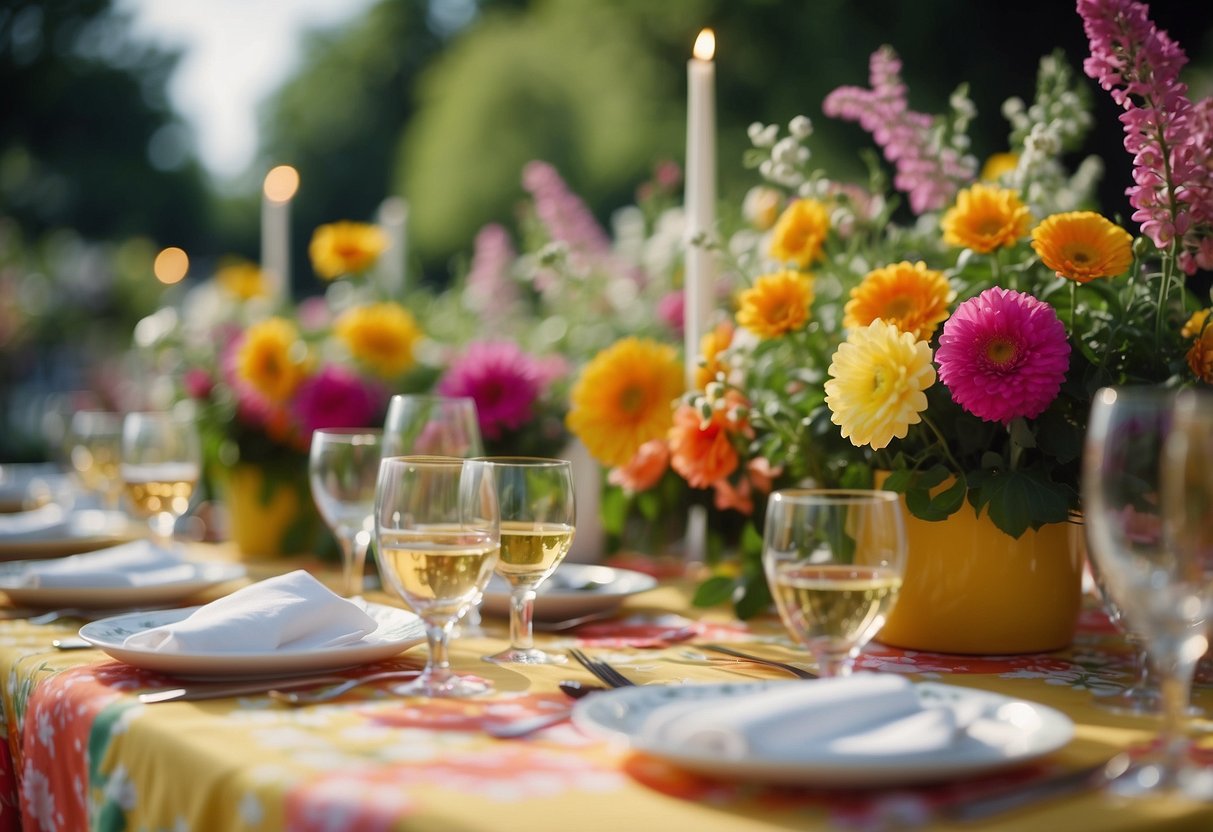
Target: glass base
point(451, 687)
point(1131, 702)
point(1153, 778)
point(532, 656)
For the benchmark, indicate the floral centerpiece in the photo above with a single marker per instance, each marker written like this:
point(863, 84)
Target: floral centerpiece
point(946, 334)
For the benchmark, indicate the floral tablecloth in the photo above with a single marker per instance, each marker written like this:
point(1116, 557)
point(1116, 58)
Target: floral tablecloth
point(82, 752)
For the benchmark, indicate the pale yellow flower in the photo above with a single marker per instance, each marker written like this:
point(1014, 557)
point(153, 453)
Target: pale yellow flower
point(381, 336)
point(242, 279)
point(909, 295)
point(997, 165)
point(800, 232)
point(985, 218)
point(272, 359)
point(876, 384)
point(344, 248)
point(776, 304)
point(1083, 245)
point(622, 398)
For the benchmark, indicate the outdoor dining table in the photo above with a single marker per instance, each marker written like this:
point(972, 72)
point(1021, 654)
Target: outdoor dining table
point(83, 753)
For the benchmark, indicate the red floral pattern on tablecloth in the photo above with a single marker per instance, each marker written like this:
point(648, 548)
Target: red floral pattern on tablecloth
point(468, 714)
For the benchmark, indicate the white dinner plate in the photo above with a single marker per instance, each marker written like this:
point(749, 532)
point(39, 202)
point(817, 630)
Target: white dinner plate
point(64, 532)
point(1038, 730)
point(398, 631)
point(206, 575)
point(574, 589)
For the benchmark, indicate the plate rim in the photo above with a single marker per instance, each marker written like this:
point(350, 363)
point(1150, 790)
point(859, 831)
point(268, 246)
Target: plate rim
point(209, 574)
point(567, 595)
point(835, 770)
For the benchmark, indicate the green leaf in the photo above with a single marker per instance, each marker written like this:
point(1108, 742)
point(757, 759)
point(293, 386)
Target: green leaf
point(715, 590)
point(613, 511)
point(753, 597)
point(1019, 500)
point(899, 481)
point(1058, 437)
point(649, 505)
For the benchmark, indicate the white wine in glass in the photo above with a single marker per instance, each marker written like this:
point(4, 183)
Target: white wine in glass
point(437, 534)
point(161, 465)
point(343, 468)
point(94, 439)
point(834, 560)
point(538, 518)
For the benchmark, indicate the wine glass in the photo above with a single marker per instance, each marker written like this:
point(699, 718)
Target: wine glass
point(343, 467)
point(437, 534)
point(1144, 475)
point(834, 559)
point(94, 441)
point(433, 425)
point(161, 464)
point(538, 516)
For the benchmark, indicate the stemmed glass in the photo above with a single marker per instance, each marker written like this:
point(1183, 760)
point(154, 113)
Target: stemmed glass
point(834, 559)
point(94, 440)
point(436, 425)
point(161, 464)
point(1140, 697)
point(343, 468)
point(538, 517)
point(1147, 498)
point(437, 533)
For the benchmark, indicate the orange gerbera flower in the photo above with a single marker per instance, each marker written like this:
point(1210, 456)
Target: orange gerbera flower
point(776, 304)
point(622, 398)
point(985, 218)
point(1200, 354)
point(242, 279)
point(1082, 245)
point(800, 232)
point(909, 295)
point(381, 336)
point(710, 348)
point(998, 164)
point(272, 359)
point(644, 469)
point(342, 248)
point(701, 452)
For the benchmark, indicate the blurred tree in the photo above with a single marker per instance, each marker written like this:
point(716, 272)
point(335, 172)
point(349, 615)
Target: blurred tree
point(87, 137)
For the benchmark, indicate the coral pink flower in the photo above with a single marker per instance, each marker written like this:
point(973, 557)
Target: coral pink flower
point(644, 469)
point(701, 452)
point(1003, 354)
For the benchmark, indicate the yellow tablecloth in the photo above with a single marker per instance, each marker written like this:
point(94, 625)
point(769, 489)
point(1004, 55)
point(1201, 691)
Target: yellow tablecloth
point(83, 753)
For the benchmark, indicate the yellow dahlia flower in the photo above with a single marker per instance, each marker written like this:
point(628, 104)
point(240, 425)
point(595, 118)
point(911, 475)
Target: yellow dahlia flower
point(711, 346)
point(623, 398)
point(776, 304)
point(242, 279)
point(380, 335)
point(998, 164)
point(985, 218)
point(1082, 245)
point(342, 248)
point(800, 232)
point(876, 384)
point(909, 295)
point(273, 359)
point(1200, 354)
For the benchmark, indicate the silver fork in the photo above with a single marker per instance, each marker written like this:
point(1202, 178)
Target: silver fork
point(601, 670)
point(298, 698)
point(799, 672)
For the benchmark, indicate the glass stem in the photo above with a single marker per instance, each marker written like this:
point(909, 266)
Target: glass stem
point(161, 525)
point(1174, 687)
point(522, 607)
point(438, 668)
point(353, 561)
point(835, 662)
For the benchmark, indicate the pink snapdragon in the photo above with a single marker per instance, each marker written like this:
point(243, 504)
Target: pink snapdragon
point(929, 174)
point(563, 214)
point(1167, 135)
point(490, 290)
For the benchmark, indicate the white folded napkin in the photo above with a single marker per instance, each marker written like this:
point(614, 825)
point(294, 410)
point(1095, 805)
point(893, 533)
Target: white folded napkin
point(33, 524)
point(293, 611)
point(138, 563)
point(862, 715)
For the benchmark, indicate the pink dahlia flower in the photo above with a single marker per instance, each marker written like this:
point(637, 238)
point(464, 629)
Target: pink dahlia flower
point(1003, 355)
point(337, 398)
point(504, 381)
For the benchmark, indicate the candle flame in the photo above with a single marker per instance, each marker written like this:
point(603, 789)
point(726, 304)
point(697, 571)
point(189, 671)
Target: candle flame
point(171, 265)
point(281, 183)
point(705, 45)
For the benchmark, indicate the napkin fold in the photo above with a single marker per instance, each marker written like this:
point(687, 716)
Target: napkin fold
point(292, 611)
point(138, 563)
point(33, 524)
point(869, 715)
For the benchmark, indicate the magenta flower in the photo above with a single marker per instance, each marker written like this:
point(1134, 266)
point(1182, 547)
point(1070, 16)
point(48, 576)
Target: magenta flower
point(504, 381)
point(671, 310)
point(1003, 355)
point(336, 398)
point(198, 383)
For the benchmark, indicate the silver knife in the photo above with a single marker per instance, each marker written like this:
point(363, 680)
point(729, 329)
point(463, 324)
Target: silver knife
point(215, 690)
point(1022, 795)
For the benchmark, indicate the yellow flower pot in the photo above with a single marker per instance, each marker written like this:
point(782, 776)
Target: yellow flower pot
point(970, 588)
point(270, 510)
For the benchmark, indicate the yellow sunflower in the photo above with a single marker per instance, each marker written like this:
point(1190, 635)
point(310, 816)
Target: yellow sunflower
point(777, 303)
point(985, 218)
point(876, 384)
point(997, 165)
point(800, 232)
point(380, 335)
point(909, 295)
point(623, 398)
point(273, 359)
point(242, 279)
point(342, 248)
point(1082, 245)
point(1200, 354)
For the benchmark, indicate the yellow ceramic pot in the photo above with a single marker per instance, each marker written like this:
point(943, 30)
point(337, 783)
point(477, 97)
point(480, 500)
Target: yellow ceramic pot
point(270, 512)
point(970, 588)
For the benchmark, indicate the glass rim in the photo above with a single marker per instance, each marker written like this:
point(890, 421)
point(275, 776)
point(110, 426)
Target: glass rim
point(818, 496)
point(523, 461)
point(427, 460)
point(348, 432)
point(435, 398)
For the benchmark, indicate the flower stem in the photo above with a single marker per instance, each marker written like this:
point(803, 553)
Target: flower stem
point(943, 444)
